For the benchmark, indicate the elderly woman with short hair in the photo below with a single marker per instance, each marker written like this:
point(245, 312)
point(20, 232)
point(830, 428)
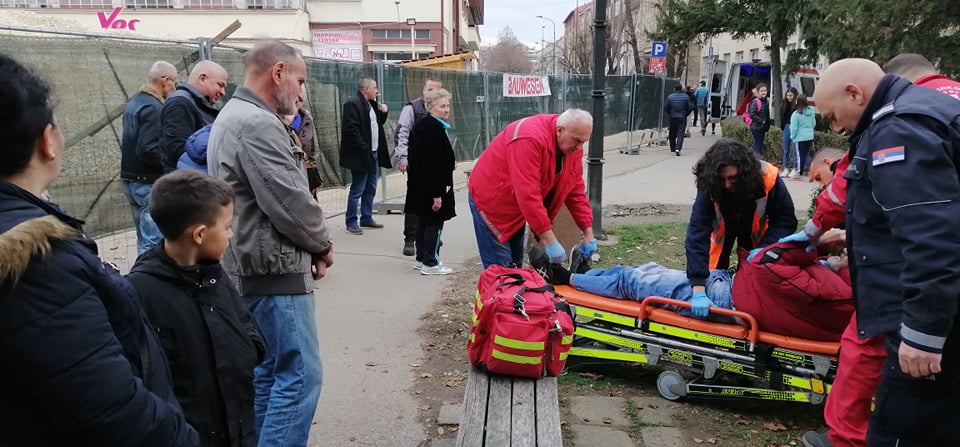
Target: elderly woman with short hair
point(430, 180)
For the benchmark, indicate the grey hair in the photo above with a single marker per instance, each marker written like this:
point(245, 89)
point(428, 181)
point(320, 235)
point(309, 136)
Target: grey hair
point(160, 69)
point(365, 81)
point(574, 116)
point(433, 96)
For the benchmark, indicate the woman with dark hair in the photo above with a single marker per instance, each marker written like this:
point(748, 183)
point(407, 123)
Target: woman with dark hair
point(786, 110)
point(802, 124)
point(81, 365)
point(739, 199)
point(759, 110)
point(430, 180)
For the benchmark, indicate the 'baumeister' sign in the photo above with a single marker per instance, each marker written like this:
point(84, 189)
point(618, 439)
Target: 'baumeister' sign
point(519, 86)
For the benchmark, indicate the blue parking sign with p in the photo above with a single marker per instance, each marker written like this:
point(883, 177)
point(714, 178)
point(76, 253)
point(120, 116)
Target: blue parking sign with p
point(659, 49)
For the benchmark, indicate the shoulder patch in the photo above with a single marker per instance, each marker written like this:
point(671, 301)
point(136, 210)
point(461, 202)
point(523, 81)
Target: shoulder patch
point(885, 110)
point(889, 155)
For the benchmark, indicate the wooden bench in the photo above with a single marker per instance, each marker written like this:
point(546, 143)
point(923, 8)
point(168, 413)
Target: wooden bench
point(509, 411)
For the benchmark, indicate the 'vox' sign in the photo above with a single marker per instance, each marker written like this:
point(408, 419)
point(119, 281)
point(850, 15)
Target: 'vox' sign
point(116, 23)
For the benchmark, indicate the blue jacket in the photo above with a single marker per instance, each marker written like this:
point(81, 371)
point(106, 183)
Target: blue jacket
point(195, 150)
point(678, 105)
point(140, 142)
point(802, 124)
point(903, 200)
point(81, 365)
point(781, 221)
point(703, 94)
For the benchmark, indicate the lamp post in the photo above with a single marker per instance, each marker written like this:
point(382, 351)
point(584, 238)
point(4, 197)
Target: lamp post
point(413, 48)
point(543, 43)
point(554, 49)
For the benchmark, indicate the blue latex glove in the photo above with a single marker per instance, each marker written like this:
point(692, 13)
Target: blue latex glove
point(826, 264)
point(753, 253)
point(801, 236)
point(556, 253)
point(700, 304)
point(588, 249)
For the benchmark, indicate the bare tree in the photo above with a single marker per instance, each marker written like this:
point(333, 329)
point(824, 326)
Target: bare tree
point(508, 55)
point(577, 54)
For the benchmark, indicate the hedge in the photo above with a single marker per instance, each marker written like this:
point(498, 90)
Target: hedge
point(735, 128)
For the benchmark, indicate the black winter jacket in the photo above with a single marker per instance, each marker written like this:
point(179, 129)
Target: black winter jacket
point(184, 112)
point(355, 138)
point(430, 173)
point(140, 143)
point(761, 116)
point(678, 105)
point(81, 365)
point(210, 341)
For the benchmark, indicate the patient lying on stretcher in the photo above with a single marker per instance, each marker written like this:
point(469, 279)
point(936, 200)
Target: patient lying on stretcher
point(789, 291)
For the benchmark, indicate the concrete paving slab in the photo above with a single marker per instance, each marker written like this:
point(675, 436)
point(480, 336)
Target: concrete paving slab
point(662, 437)
point(655, 411)
point(599, 410)
point(446, 442)
point(589, 435)
point(450, 414)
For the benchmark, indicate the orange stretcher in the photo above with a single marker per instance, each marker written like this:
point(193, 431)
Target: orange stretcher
point(702, 357)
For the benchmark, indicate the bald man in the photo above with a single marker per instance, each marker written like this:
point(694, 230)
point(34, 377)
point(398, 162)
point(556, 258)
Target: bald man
point(189, 108)
point(140, 149)
point(282, 244)
point(920, 71)
point(903, 200)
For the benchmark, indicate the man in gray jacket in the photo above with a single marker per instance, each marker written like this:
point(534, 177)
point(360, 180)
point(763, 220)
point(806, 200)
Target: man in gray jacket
point(412, 111)
point(282, 243)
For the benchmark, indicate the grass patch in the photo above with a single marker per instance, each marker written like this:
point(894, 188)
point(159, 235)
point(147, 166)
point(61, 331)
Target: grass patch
point(633, 414)
point(640, 244)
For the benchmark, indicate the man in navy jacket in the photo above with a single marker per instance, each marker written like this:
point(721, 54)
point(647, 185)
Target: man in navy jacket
point(678, 105)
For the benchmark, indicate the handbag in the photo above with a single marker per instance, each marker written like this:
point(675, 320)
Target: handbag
point(521, 327)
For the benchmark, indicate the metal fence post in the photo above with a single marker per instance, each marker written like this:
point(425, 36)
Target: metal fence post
point(486, 106)
point(663, 86)
point(631, 122)
point(383, 207)
point(205, 49)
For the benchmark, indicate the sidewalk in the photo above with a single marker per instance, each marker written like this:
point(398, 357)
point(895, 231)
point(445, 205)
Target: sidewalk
point(369, 306)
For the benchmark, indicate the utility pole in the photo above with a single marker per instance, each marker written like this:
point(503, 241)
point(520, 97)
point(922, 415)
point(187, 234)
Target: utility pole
point(595, 155)
point(554, 49)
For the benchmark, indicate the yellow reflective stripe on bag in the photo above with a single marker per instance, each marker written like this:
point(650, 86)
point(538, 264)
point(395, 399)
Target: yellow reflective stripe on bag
point(567, 340)
point(479, 301)
point(521, 359)
point(518, 344)
point(473, 337)
point(563, 355)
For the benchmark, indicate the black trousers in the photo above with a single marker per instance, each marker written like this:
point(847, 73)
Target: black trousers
point(913, 412)
point(677, 127)
point(429, 230)
point(410, 222)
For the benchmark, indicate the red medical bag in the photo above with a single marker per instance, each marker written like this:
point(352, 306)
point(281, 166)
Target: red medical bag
point(521, 327)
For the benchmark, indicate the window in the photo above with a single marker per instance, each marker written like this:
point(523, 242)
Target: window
point(754, 54)
point(393, 57)
point(23, 4)
point(807, 86)
point(86, 4)
point(147, 4)
point(208, 4)
point(739, 56)
point(726, 57)
point(400, 34)
point(274, 4)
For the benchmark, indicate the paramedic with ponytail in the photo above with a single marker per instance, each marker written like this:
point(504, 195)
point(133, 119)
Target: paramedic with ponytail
point(739, 199)
point(526, 174)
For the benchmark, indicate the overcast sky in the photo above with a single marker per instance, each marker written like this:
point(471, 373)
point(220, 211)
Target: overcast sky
point(521, 16)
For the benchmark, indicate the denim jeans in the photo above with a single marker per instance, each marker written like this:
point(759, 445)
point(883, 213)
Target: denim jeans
point(138, 195)
point(652, 279)
point(492, 251)
point(288, 382)
point(702, 110)
point(789, 150)
point(758, 141)
point(363, 189)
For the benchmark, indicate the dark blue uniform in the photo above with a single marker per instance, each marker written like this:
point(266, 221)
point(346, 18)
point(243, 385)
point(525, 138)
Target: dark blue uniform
point(903, 236)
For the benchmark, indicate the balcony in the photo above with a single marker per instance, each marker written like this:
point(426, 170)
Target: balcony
point(475, 8)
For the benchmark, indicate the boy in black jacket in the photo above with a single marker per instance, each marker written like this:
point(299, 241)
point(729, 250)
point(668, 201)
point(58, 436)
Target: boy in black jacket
point(206, 331)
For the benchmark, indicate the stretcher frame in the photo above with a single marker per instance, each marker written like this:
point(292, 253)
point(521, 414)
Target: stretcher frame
point(701, 356)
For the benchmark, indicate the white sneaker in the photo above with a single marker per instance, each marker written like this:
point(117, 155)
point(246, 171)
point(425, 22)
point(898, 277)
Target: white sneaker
point(417, 265)
point(794, 174)
point(784, 172)
point(438, 269)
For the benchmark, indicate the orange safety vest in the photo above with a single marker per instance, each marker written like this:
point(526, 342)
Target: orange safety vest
point(759, 226)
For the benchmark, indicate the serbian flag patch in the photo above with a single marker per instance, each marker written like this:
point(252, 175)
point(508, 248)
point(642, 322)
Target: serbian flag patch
point(888, 155)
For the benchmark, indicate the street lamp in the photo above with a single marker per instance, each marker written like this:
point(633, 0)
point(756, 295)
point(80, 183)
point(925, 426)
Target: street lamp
point(413, 49)
point(554, 49)
point(543, 43)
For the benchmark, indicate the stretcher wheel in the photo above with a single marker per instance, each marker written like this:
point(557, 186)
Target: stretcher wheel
point(671, 385)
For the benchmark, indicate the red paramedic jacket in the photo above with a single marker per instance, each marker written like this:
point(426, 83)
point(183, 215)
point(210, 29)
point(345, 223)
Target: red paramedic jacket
point(515, 173)
point(792, 294)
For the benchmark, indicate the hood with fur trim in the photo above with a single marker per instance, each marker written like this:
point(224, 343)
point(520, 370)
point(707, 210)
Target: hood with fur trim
point(30, 238)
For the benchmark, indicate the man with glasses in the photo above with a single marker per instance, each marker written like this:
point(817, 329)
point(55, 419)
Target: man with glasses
point(140, 151)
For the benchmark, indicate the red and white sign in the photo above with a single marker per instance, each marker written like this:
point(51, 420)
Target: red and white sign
point(658, 65)
point(522, 86)
point(339, 44)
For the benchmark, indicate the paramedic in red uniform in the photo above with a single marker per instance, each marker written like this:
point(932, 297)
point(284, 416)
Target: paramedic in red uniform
point(739, 199)
point(531, 169)
point(847, 411)
point(904, 245)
